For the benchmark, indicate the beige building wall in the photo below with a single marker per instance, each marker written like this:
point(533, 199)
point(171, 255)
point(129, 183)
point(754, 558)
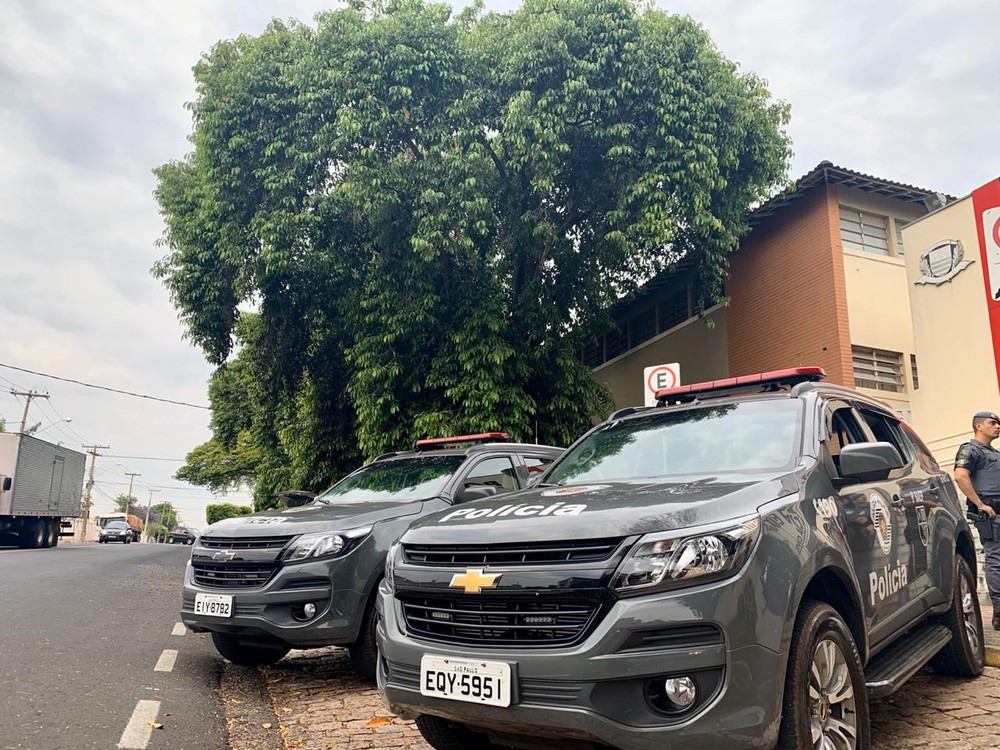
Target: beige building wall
point(951, 333)
point(697, 344)
point(877, 297)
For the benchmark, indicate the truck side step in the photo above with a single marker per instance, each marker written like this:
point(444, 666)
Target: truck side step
point(888, 671)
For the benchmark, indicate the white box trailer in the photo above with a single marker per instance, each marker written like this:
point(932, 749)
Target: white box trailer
point(40, 484)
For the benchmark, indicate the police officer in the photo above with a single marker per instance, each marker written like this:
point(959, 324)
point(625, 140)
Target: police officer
point(977, 474)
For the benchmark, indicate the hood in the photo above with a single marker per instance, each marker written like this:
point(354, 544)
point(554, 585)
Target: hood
point(314, 517)
point(608, 509)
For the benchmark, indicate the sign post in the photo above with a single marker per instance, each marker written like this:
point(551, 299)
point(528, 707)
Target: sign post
point(657, 377)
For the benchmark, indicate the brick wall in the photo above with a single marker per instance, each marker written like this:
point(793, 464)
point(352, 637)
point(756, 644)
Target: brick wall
point(788, 295)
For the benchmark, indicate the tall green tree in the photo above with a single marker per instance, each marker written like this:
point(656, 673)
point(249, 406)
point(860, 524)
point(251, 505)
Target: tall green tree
point(429, 215)
point(125, 503)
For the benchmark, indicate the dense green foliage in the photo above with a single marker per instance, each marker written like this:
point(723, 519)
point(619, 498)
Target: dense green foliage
point(429, 216)
point(218, 511)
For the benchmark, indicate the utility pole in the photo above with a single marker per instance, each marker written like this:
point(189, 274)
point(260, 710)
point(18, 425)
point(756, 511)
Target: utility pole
point(87, 502)
point(146, 522)
point(28, 395)
point(128, 498)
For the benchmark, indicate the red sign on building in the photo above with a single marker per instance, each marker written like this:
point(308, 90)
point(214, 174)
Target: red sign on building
point(986, 208)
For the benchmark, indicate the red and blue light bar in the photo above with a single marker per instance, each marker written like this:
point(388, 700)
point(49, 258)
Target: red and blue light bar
point(480, 437)
point(773, 379)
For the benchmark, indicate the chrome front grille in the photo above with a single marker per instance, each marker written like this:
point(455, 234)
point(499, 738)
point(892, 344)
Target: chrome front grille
point(232, 575)
point(495, 621)
point(518, 553)
point(243, 542)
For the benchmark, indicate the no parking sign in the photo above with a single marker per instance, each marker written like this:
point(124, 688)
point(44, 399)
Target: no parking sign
point(657, 377)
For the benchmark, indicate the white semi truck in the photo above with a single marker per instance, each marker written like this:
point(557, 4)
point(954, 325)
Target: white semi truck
point(40, 485)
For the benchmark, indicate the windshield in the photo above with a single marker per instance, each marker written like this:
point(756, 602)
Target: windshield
point(751, 436)
point(399, 480)
point(116, 525)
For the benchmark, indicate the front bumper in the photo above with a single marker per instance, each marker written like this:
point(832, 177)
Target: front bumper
point(270, 611)
point(599, 690)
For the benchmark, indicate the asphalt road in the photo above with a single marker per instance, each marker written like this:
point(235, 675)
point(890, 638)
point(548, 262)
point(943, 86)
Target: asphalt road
point(91, 655)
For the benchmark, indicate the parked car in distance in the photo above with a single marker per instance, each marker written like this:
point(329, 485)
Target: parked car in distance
point(182, 535)
point(115, 531)
point(306, 577)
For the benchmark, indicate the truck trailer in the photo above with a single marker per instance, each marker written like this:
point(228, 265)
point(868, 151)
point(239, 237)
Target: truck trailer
point(40, 485)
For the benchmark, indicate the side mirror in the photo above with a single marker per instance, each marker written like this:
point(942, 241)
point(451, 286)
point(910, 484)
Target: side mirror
point(475, 492)
point(869, 462)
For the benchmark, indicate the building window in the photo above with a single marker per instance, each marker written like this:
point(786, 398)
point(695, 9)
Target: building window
point(899, 236)
point(878, 369)
point(616, 343)
point(642, 327)
point(913, 371)
point(674, 310)
point(863, 231)
point(593, 354)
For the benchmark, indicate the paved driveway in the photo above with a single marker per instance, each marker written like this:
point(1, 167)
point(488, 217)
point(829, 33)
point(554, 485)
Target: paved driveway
point(322, 706)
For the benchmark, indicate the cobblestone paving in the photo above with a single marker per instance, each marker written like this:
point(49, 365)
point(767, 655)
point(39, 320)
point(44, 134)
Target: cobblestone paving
point(322, 706)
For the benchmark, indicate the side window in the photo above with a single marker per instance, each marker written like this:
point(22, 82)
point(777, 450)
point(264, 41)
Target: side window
point(924, 456)
point(887, 429)
point(536, 464)
point(842, 428)
point(494, 472)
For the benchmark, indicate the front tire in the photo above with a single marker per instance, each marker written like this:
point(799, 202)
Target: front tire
point(364, 652)
point(445, 735)
point(246, 653)
point(825, 703)
point(965, 654)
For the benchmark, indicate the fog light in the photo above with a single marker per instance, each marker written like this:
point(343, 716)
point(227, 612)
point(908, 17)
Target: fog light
point(309, 610)
point(680, 691)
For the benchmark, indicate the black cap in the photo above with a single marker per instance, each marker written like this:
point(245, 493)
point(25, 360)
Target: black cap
point(984, 415)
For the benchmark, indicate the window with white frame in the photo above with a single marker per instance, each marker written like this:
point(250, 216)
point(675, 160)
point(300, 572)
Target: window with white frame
point(878, 369)
point(863, 231)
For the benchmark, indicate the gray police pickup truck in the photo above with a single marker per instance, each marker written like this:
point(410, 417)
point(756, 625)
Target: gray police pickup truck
point(303, 577)
point(741, 566)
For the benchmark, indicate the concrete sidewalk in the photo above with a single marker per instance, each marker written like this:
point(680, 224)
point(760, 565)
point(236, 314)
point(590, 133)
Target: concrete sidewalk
point(322, 705)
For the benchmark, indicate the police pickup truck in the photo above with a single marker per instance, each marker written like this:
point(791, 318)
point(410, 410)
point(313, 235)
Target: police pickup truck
point(741, 566)
point(304, 577)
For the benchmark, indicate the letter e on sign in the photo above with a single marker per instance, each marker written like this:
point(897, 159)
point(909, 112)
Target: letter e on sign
point(659, 377)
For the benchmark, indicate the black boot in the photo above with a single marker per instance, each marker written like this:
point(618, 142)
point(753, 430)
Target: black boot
point(996, 621)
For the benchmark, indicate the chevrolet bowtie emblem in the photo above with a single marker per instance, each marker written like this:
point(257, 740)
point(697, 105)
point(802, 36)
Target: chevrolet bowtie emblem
point(474, 580)
point(226, 555)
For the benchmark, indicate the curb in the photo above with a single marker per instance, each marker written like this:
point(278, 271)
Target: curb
point(993, 656)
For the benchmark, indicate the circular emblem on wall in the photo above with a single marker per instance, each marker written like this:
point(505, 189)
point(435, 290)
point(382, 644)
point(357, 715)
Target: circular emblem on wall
point(560, 491)
point(882, 521)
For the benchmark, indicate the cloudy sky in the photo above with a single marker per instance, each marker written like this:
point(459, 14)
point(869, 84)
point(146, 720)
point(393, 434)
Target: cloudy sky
point(92, 97)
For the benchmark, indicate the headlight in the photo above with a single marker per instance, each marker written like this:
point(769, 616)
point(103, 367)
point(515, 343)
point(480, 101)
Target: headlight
point(324, 544)
point(674, 559)
point(389, 577)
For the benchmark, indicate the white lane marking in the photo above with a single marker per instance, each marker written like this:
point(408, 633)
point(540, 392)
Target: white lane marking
point(166, 661)
point(140, 726)
point(179, 629)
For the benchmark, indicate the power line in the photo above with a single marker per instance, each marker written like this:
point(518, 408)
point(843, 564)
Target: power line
point(153, 458)
point(106, 388)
